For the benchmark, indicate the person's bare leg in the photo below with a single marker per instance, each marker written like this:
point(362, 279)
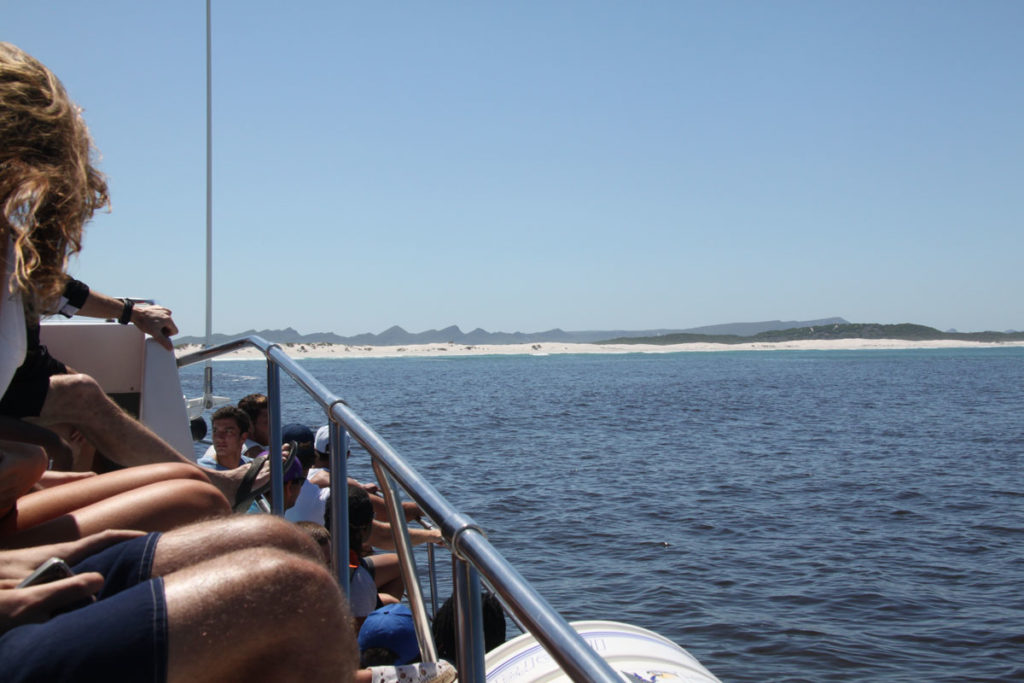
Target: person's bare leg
point(158, 506)
point(78, 400)
point(40, 506)
point(269, 583)
point(255, 615)
point(187, 545)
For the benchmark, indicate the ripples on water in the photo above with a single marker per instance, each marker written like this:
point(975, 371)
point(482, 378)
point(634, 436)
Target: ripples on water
point(784, 516)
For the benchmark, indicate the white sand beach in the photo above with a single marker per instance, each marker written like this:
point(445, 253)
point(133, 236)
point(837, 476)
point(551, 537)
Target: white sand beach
point(548, 348)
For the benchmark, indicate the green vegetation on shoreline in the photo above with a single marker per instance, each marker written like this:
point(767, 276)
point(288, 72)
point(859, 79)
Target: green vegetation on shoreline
point(904, 331)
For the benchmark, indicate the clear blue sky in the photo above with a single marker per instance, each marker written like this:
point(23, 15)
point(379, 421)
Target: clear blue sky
point(530, 165)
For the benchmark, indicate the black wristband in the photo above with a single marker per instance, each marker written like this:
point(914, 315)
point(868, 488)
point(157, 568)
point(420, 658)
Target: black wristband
point(126, 312)
point(73, 298)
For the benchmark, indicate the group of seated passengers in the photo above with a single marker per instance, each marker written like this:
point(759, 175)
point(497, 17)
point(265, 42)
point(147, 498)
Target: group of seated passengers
point(307, 486)
point(376, 586)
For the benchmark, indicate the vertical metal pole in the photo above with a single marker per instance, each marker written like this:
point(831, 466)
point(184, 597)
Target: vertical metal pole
point(432, 578)
point(339, 503)
point(407, 563)
point(469, 621)
point(208, 381)
point(208, 372)
point(274, 413)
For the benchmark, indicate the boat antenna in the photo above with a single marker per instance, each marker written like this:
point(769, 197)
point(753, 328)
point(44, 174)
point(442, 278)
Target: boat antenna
point(208, 400)
point(208, 370)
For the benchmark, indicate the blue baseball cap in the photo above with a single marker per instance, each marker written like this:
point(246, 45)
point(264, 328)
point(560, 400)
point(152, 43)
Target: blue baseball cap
point(391, 627)
point(296, 432)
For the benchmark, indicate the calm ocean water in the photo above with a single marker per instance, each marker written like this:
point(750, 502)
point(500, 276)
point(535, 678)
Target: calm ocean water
point(783, 515)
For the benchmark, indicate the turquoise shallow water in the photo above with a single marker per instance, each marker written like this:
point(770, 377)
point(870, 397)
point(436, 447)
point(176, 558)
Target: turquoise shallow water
point(784, 515)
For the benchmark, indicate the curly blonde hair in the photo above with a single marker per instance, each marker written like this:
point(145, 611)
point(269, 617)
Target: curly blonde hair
point(48, 185)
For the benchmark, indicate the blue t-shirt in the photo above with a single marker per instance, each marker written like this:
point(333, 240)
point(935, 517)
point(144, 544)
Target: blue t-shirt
point(209, 461)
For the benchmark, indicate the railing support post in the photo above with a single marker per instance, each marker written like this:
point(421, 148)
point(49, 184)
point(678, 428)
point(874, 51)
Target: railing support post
point(339, 503)
point(469, 621)
point(407, 562)
point(274, 413)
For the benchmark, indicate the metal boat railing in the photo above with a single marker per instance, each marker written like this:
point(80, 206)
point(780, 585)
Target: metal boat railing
point(473, 556)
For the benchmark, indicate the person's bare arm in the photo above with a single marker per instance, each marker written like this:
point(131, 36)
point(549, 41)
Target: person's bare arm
point(154, 320)
point(410, 510)
point(381, 537)
point(16, 564)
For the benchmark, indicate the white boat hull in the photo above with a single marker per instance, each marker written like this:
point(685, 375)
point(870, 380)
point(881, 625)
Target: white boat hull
point(636, 653)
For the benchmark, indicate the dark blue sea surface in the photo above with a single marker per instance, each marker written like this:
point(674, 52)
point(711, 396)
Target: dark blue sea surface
point(783, 515)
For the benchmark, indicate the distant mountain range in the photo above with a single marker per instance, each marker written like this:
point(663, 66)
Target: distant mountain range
point(843, 330)
point(730, 333)
point(396, 336)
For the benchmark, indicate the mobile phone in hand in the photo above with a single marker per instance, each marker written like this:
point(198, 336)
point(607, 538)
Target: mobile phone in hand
point(51, 570)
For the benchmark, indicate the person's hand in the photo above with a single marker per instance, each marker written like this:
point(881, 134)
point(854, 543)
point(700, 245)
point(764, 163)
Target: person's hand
point(37, 604)
point(155, 321)
point(15, 565)
point(51, 478)
point(432, 536)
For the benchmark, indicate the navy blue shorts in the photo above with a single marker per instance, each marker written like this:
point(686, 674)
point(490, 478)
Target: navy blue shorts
point(122, 636)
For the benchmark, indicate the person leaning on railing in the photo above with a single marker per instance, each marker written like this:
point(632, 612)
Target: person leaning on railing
point(49, 189)
point(381, 535)
point(385, 567)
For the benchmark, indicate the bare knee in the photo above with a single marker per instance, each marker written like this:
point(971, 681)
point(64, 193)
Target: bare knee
point(276, 532)
point(74, 395)
point(204, 498)
point(307, 582)
point(182, 501)
point(288, 602)
point(75, 385)
point(301, 596)
point(232, 534)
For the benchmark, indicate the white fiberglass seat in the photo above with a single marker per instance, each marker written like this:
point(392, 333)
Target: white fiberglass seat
point(134, 370)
